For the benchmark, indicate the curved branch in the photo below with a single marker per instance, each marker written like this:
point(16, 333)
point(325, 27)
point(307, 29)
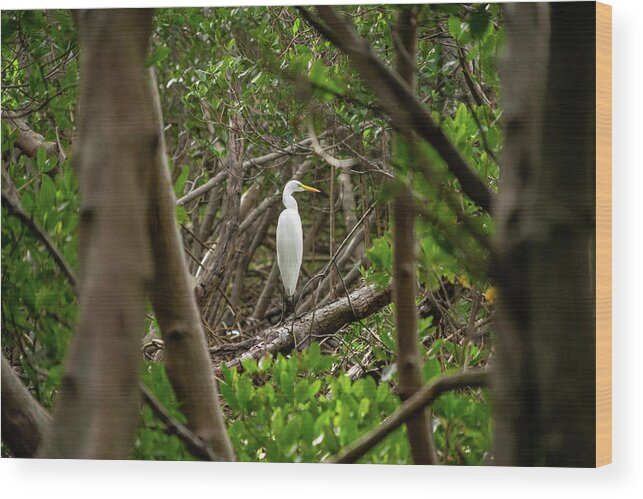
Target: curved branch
point(410, 408)
point(195, 445)
point(406, 111)
point(15, 208)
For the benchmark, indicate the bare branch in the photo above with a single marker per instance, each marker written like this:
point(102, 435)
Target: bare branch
point(222, 175)
point(325, 155)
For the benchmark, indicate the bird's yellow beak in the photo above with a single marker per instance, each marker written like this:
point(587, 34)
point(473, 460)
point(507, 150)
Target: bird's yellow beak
point(308, 188)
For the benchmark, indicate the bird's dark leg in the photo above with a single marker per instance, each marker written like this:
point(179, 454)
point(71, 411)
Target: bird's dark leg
point(292, 324)
point(290, 305)
point(283, 305)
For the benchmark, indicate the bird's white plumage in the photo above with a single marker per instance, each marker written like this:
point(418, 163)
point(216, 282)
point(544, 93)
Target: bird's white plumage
point(290, 239)
point(289, 248)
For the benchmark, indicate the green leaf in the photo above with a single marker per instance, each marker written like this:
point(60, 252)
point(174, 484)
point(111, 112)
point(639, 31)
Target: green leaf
point(288, 435)
point(431, 369)
point(314, 355)
point(181, 214)
point(479, 21)
point(307, 427)
point(41, 158)
point(9, 27)
point(229, 396)
point(325, 363)
point(318, 73)
point(243, 392)
point(286, 379)
point(447, 8)
point(229, 374)
point(455, 27)
point(264, 363)
point(380, 254)
point(158, 55)
point(249, 366)
point(389, 189)
point(47, 195)
point(313, 388)
point(301, 391)
point(180, 182)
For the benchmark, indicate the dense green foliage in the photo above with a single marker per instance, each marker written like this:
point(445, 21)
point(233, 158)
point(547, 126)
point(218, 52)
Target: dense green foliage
point(267, 65)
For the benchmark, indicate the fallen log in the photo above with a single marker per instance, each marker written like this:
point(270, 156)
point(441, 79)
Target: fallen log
point(322, 322)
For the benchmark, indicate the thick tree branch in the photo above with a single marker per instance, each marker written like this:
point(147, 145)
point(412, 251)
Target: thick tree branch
point(24, 421)
point(408, 356)
point(406, 111)
point(29, 141)
point(325, 155)
point(410, 408)
point(419, 428)
point(544, 260)
point(186, 356)
point(216, 274)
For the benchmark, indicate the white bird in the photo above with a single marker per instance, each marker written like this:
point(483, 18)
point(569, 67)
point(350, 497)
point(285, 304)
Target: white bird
point(290, 239)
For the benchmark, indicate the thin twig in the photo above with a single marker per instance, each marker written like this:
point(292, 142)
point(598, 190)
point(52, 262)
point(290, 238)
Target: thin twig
point(29, 110)
point(339, 248)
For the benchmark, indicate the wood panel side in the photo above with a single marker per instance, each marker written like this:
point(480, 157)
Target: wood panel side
point(603, 234)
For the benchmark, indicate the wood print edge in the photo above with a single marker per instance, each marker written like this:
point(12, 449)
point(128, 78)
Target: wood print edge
point(603, 234)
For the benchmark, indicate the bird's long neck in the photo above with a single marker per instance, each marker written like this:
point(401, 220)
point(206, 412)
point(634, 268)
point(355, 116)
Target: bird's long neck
point(289, 201)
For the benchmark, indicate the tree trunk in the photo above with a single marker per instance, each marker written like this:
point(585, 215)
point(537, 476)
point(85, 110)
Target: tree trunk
point(409, 364)
point(216, 273)
point(98, 409)
point(544, 386)
point(129, 246)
